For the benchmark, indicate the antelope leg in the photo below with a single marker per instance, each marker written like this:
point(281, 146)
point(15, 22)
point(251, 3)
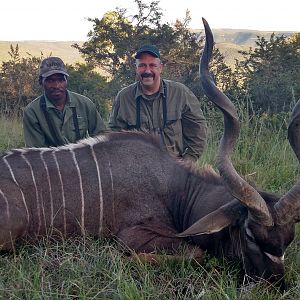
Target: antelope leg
point(147, 241)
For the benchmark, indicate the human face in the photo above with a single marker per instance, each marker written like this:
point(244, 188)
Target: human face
point(148, 69)
point(55, 87)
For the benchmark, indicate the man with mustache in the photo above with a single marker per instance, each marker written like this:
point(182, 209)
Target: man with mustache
point(163, 107)
point(59, 116)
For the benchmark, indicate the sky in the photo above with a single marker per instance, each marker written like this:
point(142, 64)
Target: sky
point(66, 20)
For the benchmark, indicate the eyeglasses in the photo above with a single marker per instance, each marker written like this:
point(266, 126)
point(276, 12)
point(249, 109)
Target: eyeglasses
point(151, 66)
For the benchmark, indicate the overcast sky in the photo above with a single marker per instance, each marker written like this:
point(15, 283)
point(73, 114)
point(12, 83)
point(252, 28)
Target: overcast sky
point(66, 20)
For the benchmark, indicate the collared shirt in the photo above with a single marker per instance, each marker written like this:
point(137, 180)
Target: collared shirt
point(185, 131)
point(36, 129)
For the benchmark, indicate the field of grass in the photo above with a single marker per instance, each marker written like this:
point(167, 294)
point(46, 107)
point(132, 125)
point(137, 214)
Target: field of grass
point(85, 268)
point(11, 135)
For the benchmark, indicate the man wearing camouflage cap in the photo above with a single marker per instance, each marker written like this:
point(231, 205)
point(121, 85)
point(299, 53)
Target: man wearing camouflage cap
point(59, 116)
point(159, 106)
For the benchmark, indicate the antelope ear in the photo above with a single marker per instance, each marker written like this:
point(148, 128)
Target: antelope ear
point(216, 220)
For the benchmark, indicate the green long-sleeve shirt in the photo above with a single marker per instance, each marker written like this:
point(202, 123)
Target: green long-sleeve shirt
point(185, 131)
point(36, 129)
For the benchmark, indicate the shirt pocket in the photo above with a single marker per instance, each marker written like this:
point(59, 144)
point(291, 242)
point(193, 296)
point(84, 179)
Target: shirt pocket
point(132, 122)
point(173, 132)
point(173, 124)
point(145, 122)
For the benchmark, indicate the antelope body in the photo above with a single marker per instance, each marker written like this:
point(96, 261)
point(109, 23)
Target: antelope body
point(125, 185)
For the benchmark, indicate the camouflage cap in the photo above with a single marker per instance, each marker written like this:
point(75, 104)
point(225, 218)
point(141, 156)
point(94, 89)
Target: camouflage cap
point(52, 65)
point(151, 49)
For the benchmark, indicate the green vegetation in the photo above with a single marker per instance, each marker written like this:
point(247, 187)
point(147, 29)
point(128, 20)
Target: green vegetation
point(270, 73)
point(263, 154)
point(11, 135)
point(96, 269)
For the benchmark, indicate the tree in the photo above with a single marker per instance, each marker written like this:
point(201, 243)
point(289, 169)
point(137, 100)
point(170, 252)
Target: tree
point(115, 38)
point(18, 82)
point(86, 81)
point(271, 73)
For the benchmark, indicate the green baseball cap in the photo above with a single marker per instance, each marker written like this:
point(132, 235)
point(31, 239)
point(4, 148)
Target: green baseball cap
point(151, 49)
point(52, 65)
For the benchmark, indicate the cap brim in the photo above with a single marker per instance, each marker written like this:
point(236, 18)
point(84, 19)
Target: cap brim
point(49, 73)
point(138, 54)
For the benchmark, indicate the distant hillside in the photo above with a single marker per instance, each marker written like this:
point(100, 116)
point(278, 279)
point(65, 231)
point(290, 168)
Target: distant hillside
point(35, 48)
point(244, 37)
point(231, 52)
point(229, 41)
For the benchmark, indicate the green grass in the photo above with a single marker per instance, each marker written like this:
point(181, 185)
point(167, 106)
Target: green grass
point(11, 135)
point(85, 268)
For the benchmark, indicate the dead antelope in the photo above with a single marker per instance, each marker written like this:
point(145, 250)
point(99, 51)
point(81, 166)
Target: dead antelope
point(125, 185)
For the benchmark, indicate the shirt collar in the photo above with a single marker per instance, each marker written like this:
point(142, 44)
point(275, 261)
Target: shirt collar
point(69, 101)
point(139, 92)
